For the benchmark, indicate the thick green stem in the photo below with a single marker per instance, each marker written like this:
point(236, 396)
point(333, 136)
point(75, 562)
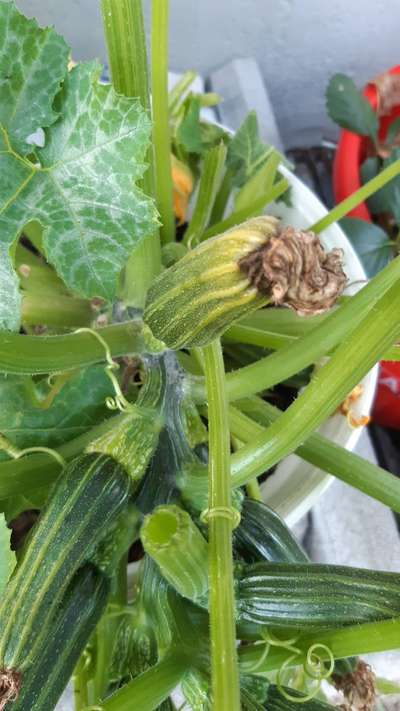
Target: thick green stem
point(291, 359)
point(148, 690)
point(344, 642)
point(35, 275)
point(80, 685)
point(172, 539)
point(224, 670)
point(350, 362)
point(126, 45)
point(209, 183)
point(106, 632)
point(29, 355)
point(55, 310)
point(161, 130)
point(357, 197)
point(321, 452)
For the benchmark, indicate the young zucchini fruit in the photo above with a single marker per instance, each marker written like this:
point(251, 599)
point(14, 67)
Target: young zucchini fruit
point(88, 497)
point(307, 596)
point(81, 607)
point(258, 262)
point(275, 701)
point(263, 535)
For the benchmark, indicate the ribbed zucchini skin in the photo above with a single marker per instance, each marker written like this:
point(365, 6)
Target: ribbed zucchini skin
point(71, 626)
point(88, 496)
point(262, 535)
point(276, 702)
point(196, 299)
point(315, 596)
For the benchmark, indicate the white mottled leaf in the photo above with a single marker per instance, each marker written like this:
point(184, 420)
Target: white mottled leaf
point(82, 192)
point(33, 62)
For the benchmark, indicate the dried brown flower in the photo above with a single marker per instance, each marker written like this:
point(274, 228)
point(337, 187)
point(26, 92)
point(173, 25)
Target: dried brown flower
point(358, 687)
point(294, 269)
point(10, 683)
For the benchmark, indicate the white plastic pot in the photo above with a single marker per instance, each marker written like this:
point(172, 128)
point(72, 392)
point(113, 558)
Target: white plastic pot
point(296, 485)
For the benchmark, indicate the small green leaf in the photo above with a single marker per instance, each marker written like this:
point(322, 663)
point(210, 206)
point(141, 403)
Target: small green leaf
point(393, 131)
point(387, 199)
point(7, 557)
point(188, 134)
point(33, 62)
point(259, 184)
point(78, 406)
point(370, 242)
point(368, 170)
point(193, 135)
point(348, 108)
point(390, 193)
point(83, 192)
point(247, 153)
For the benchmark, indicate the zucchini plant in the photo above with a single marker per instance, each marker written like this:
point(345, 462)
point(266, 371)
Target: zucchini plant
point(148, 311)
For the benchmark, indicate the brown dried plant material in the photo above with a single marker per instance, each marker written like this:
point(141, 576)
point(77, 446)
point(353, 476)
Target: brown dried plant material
point(358, 688)
point(294, 270)
point(388, 90)
point(10, 683)
point(346, 408)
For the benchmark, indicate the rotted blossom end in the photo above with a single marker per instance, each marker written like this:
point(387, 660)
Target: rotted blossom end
point(293, 269)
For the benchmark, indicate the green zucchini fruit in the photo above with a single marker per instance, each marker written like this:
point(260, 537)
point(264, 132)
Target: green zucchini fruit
point(88, 497)
point(71, 626)
point(199, 297)
point(307, 596)
point(275, 701)
point(262, 535)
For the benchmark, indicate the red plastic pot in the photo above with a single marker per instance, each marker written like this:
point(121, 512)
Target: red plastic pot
point(351, 151)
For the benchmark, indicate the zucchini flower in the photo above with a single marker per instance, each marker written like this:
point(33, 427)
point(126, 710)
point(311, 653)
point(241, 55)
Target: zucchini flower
point(182, 188)
point(254, 264)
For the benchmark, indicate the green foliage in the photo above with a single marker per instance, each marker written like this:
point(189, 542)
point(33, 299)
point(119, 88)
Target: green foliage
point(82, 188)
point(7, 557)
point(370, 242)
point(77, 407)
point(348, 108)
point(247, 153)
point(192, 134)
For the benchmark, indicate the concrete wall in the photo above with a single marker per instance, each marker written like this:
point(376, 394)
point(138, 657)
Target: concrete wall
point(298, 43)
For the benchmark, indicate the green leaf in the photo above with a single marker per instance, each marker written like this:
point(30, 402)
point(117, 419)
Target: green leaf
point(259, 184)
point(387, 199)
point(188, 134)
point(78, 406)
point(393, 131)
point(7, 557)
point(370, 242)
point(368, 170)
point(33, 62)
point(348, 108)
point(390, 193)
point(247, 153)
point(193, 134)
point(82, 192)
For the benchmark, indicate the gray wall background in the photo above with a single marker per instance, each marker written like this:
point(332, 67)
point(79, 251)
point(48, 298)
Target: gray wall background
point(299, 44)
